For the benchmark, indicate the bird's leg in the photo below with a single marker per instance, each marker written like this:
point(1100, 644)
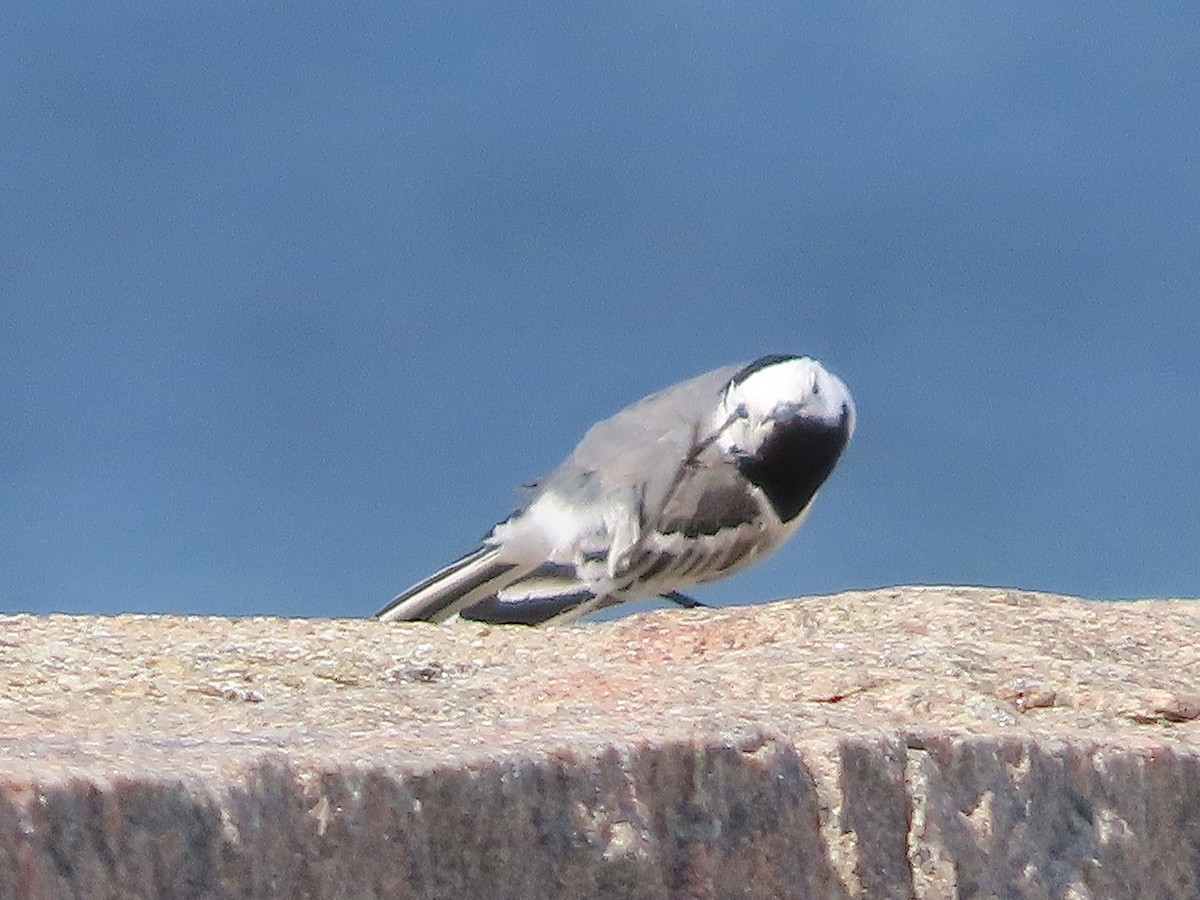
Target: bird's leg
point(684, 600)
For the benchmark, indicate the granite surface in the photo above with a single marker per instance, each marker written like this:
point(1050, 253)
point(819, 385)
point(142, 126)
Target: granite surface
point(902, 742)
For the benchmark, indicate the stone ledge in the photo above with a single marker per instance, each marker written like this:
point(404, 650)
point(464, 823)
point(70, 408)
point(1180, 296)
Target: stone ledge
point(927, 742)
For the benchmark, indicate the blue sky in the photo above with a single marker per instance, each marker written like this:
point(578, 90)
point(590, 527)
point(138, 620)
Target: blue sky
point(294, 295)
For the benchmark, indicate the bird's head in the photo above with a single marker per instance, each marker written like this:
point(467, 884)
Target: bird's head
point(786, 419)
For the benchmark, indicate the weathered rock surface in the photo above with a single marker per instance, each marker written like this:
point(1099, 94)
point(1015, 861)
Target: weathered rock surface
point(909, 742)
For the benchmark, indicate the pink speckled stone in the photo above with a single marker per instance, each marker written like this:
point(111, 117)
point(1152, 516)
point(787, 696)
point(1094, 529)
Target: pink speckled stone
point(905, 742)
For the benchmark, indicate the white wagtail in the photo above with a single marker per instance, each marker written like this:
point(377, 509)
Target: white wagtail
point(688, 485)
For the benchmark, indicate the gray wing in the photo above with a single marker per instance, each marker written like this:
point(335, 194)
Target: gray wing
point(713, 523)
point(657, 458)
point(708, 497)
point(644, 444)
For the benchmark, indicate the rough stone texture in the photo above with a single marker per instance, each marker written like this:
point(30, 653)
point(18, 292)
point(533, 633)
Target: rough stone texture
point(927, 742)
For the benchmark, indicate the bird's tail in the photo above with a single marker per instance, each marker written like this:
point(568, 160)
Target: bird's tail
point(477, 575)
point(534, 600)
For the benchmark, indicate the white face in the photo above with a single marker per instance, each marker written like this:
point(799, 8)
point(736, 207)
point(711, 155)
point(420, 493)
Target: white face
point(793, 388)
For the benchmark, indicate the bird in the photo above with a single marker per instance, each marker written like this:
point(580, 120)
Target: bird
point(687, 485)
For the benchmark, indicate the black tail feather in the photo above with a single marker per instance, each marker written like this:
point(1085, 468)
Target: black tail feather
point(449, 590)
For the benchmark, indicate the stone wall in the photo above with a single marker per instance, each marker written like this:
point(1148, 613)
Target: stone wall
point(908, 742)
